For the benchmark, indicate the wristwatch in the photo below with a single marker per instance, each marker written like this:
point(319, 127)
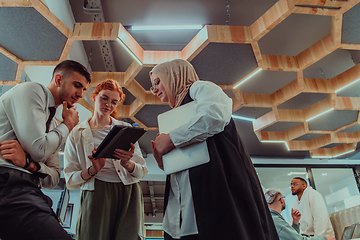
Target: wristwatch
point(28, 161)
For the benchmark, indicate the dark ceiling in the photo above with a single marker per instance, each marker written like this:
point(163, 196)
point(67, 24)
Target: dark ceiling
point(226, 63)
point(31, 36)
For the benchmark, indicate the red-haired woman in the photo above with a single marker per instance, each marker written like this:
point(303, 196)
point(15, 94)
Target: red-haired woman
point(111, 204)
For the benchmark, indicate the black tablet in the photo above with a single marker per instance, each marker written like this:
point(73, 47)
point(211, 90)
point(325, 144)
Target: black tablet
point(119, 137)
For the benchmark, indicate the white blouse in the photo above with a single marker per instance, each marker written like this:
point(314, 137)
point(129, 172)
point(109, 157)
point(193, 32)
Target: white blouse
point(108, 172)
point(79, 146)
point(214, 109)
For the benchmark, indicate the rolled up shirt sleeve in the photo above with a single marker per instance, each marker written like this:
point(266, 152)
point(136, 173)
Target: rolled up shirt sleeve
point(140, 169)
point(51, 167)
point(72, 165)
point(213, 108)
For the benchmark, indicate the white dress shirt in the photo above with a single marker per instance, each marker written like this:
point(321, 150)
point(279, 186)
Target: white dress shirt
point(314, 216)
point(24, 110)
point(214, 110)
point(79, 146)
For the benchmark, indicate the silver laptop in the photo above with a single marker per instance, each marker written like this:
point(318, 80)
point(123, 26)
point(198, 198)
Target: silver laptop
point(182, 158)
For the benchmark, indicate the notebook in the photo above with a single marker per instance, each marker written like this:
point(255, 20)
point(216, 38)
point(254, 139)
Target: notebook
point(351, 232)
point(189, 156)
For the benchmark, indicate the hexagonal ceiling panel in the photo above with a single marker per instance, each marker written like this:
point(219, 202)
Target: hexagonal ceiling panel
point(267, 82)
point(333, 120)
point(351, 25)
point(224, 63)
point(330, 66)
point(251, 112)
point(8, 68)
point(43, 40)
point(297, 28)
point(148, 114)
point(303, 100)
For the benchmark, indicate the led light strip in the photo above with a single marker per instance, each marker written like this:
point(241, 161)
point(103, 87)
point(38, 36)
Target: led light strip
point(347, 85)
point(294, 173)
point(247, 78)
point(277, 141)
point(128, 50)
point(320, 114)
point(343, 153)
point(334, 156)
point(321, 156)
point(169, 27)
point(243, 118)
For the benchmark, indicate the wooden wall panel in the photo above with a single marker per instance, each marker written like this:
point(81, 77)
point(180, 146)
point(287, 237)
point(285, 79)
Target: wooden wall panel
point(198, 43)
point(276, 14)
point(347, 77)
point(97, 77)
point(317, 51)
point(151, 58)
point(285, 93)
point(296, 131)
point(15, 3)
point(315, 11)
point(264, 121)
point(96, 31)
point(316, 85)
point(279, 63)
point(257, 100)
point(229, 34)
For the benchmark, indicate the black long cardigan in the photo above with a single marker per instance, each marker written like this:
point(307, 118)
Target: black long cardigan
point(228, 199)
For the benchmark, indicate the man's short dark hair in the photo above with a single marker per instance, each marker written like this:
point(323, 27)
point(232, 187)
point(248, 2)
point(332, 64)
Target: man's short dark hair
point(301, 179)
point(69, 66)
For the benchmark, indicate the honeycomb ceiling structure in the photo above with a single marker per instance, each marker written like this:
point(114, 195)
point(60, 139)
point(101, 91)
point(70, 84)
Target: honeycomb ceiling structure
point(293, 71)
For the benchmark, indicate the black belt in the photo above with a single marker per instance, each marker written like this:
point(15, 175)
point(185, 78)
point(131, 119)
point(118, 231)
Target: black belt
point(22, 174)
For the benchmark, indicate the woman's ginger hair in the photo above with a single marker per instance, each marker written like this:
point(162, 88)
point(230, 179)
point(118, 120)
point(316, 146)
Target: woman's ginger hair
point(111, 85)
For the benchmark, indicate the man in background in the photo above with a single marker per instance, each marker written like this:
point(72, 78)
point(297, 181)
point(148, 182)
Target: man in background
point(315, 218)
point(276, 203)
point(30, 140)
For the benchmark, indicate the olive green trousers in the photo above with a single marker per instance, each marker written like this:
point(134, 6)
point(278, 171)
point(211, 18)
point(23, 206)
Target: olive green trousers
point(113, 211)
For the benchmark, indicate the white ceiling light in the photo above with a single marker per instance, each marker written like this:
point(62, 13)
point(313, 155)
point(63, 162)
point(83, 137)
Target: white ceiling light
point(243, 118)
point(295, 173)
point(247, 78)
point(277, 141)
point(320, 114)
point(273, 141)
point(321, 156)
point(128, 50)
point(347, 85)
point(167, 27)
point(343, 153)
point(287, 146)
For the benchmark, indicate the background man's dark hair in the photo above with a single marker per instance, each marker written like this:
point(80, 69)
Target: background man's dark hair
point(301, 179)
point(69, 66)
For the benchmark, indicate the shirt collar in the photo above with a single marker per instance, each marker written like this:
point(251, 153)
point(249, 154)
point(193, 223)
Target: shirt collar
point(272, 211)
point(50, 97)
point(85, 124)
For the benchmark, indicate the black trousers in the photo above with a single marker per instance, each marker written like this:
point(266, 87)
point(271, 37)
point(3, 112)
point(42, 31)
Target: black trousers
point(190, 237)
point(25, 212)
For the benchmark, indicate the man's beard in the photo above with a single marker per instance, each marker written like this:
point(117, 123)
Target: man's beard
point(296, 192)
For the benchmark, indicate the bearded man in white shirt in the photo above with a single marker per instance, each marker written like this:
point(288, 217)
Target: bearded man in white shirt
point(30, 141)
point(315, 218)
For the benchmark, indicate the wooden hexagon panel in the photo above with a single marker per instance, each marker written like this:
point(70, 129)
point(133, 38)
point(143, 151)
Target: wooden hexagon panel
point(293, 71)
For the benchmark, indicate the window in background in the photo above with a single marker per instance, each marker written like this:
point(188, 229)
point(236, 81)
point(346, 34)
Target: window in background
point(337, 186)
point(280, 178)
